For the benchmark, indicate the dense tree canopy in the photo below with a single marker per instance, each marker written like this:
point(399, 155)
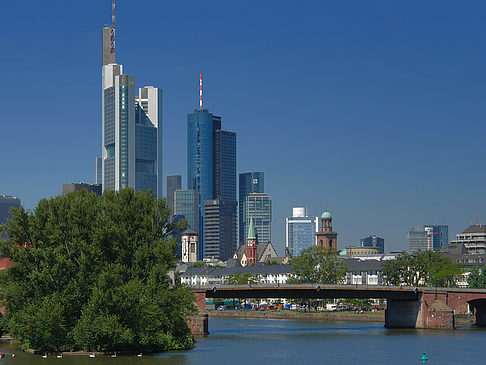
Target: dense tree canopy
point(91, 272)
point(477, 278)
point(318, 265)
point(428, 268)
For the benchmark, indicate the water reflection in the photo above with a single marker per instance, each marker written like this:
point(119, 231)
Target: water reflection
point(270, 341)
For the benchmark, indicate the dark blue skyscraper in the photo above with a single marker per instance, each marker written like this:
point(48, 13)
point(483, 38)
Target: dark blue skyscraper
point(225, 169)
point(374, 242)
point(201, 151)
point(250, 182)
point(211, 166)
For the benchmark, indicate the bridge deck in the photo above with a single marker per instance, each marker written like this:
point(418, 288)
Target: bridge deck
point(315, 291)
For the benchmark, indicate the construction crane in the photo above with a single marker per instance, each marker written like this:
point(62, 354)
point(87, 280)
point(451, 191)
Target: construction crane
point(430, 241)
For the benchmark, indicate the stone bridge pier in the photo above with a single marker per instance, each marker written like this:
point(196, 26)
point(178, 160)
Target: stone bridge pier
point(421, 313)
point(435, 308)
point(199, 323)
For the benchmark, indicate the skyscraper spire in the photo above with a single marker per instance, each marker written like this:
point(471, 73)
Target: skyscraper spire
point(112, 38)
point(200, 90)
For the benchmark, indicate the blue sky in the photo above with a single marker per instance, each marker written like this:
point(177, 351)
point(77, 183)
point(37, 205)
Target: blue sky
point(375, 108)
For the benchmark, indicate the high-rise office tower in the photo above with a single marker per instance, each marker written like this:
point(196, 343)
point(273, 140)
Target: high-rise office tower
point(174, 182)
point(131, 127)
point(249, 182)
point(219, 229)
point(259, 207)
point(186, 203)
point(225, 165)
point(69, 188)
point(98, 170)
point(211, 163)
point(427, 238)
point(375, 242)
point(300, 231)
point(6, 203)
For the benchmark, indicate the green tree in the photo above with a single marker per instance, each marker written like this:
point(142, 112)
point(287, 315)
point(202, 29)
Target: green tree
point(318, 265)
point(91, 272)
point(428, 268)
point(477, 278)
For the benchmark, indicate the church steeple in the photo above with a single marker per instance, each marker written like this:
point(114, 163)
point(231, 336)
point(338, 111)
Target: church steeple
point(251, 246)
point(251, 231)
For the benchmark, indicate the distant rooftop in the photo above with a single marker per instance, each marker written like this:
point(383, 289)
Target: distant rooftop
point(476, 228)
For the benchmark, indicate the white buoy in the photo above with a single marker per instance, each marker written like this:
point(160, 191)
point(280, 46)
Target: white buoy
point(139, 355)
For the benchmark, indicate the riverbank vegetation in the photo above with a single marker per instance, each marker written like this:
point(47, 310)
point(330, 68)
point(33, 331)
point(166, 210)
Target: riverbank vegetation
point(428, 268)
point(91, 273)
point(318, 265)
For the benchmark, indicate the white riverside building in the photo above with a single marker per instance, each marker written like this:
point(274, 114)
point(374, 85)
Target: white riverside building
point(359, 273)
point(131, 129)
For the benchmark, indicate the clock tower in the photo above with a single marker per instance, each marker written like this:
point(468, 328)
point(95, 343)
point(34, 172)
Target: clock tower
point(326, 238)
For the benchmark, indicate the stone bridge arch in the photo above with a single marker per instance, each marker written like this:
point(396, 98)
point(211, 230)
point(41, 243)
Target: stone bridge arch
point(479, 307)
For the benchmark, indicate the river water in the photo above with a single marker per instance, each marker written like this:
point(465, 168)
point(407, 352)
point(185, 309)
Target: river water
point(270, 341)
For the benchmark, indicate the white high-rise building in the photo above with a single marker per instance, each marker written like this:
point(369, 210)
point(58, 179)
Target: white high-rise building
point(131, 129)
point(300, 231)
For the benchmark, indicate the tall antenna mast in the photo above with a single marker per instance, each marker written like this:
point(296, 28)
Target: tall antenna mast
point(112, 39)
point(200, 90)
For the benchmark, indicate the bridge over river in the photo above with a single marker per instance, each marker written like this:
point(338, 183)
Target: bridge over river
point(407, 307)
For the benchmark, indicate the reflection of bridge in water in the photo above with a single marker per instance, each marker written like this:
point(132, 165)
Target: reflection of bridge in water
point(407, 307)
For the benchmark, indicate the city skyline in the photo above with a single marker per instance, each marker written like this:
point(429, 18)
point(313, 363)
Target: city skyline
point(396, 89)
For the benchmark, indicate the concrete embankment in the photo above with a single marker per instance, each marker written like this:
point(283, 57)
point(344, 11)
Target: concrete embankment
point(309, 316)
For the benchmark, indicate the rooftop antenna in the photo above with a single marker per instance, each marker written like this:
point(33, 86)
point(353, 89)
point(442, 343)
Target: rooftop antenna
point(112, 38)
point(477, 220)
point(200, 90)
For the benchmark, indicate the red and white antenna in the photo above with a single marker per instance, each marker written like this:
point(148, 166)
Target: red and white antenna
point(112, 38)
point(200, 90)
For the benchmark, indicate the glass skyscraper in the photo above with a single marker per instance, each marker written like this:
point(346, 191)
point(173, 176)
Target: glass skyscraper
point(131, 130)
point(375, 242)
point(186, 203)
point(174, 182)
point(259, 207)
point(225, 167)
point(201, 151)
point(249, 182)
point(219, 229)
point(300, 231)
point(98, 170)
point(6, 203)
point(427, 238)
point(211, 168)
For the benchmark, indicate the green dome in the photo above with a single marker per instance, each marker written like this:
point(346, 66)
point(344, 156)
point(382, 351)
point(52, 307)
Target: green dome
point(326, 214)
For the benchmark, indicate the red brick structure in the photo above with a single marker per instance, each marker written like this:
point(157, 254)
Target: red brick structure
point(326, 238)
point(251, 246)
point(199, 324)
